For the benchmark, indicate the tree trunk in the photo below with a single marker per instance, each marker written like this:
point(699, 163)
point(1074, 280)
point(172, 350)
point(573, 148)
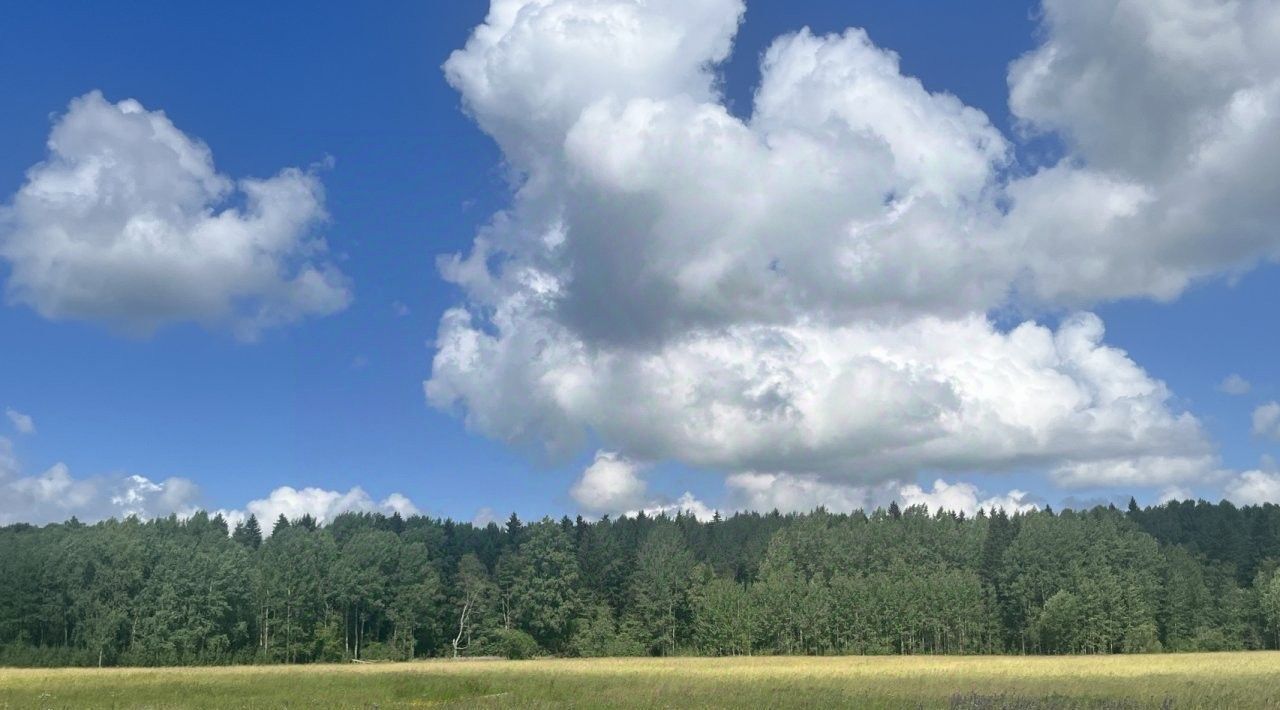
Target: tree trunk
point(462, 625)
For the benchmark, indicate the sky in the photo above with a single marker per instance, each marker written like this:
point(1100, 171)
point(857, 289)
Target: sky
point(599, 256)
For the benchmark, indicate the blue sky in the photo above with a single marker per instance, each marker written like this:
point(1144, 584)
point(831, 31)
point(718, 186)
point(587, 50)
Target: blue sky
point(335, 400)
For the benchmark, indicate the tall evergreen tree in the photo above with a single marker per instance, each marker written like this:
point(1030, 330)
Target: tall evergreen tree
point(248, 533)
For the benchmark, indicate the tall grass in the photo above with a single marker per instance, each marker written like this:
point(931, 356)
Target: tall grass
point(1226, 680)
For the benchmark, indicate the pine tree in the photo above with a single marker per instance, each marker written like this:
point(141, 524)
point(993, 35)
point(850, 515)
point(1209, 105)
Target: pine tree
point(248, 533)
point(282, 524)
point(515, 531)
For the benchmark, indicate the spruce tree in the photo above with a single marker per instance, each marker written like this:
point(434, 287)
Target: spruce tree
point(248, 533)
point(514, 531)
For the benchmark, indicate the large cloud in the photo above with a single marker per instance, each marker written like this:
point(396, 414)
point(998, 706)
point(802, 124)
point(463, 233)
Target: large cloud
point(128, 223)
point(863, 401)
point(808, 290)
point(1171, 113)
point(651, 210)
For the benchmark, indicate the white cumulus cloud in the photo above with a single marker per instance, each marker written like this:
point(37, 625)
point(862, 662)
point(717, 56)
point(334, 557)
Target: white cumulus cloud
point(1171, 113)
point(964, 498)
point(1137, 471)
point(128, 223)
point(794, 493)
point(1254, 488)
point(865, 401)
point(1174, 493)
point(321, 504)
point(1266, 420)
point(802, 493)
point(56, 495)
point(610, 484)
point(810, 289)
point(23, 423)
point(686, 504)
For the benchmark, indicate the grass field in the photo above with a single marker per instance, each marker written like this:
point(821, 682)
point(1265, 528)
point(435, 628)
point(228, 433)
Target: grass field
point(1217, 680)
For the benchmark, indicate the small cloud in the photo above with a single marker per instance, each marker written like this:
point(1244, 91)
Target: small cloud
point(399, 503)
point(1254, 488)
point(8, 462)
point(687, 504)
point(484, 516)
point(610, 484)
point(1235, 385)
point(1175, 493)
point(1266, 421)
point(1119, 500)
point(321, 504)
point(359, 362)
point(400, 309)
point(22, 422)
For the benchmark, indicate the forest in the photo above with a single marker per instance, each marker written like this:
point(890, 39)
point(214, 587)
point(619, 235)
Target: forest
point(1178, 577)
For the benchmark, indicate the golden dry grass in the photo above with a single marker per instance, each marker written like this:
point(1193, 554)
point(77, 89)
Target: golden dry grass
point(1219, 680)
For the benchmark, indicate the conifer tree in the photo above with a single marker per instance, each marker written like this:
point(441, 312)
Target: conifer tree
point(248, 533)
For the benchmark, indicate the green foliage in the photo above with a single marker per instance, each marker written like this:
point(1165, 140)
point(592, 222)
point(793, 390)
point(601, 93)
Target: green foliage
point(1143, 638)
point(724, 618)
point(597, 635)
point(660, 588)
point(544, 584)
point(512, 643)
point(371, 587)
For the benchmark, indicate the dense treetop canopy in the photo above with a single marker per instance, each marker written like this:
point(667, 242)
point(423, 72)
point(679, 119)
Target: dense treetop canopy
point(1182, 576)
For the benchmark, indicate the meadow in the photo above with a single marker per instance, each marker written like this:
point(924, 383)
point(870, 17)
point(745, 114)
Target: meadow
point(1208, 680)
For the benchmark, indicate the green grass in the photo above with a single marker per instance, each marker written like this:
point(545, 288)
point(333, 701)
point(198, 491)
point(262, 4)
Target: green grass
point(1214, 680)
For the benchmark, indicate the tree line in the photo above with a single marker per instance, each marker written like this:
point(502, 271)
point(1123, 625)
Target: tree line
point(1178, 577)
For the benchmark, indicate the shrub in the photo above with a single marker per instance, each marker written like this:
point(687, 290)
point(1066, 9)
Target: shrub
point(513, 644)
